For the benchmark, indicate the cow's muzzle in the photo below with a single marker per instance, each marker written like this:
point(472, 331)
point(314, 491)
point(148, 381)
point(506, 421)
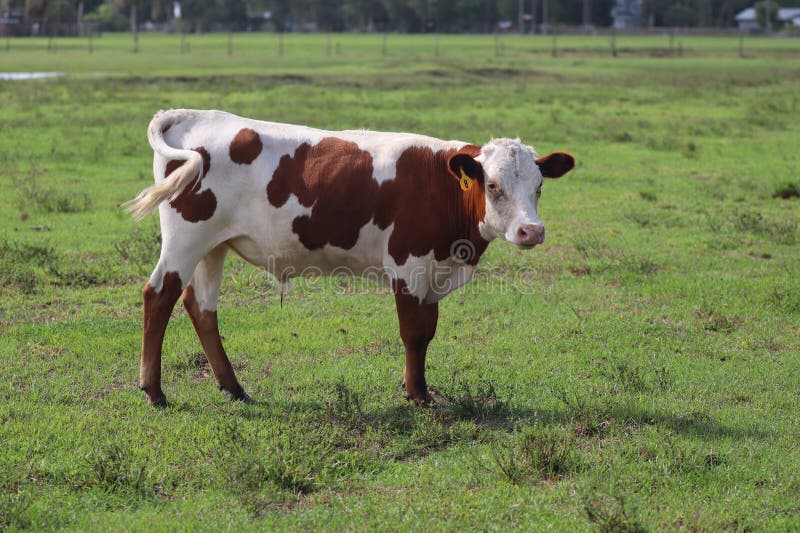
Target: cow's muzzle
point(529, 235)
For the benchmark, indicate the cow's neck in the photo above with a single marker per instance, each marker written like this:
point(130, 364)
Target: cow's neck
point(467, 208)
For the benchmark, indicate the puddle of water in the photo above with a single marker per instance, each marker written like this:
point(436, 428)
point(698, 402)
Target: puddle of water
point(28, 75)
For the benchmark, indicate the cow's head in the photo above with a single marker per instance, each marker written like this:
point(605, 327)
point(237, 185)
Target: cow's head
point(512, 176)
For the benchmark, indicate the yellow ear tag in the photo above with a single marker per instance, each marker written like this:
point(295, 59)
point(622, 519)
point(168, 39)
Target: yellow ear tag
point(465, 181)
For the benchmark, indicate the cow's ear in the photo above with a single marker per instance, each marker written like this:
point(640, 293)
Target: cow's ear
point(556, 164)
point(466, 170)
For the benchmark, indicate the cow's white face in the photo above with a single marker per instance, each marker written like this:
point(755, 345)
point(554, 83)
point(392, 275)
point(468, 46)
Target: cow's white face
point(513, 184)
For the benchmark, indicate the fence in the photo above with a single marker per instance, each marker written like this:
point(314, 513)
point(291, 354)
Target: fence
point(348, 47)
point(16, 28)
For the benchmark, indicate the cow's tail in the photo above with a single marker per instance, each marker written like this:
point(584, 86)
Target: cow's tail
point(150, 198)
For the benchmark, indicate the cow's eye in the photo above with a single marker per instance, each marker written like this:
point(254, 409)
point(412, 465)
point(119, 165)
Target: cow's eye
point(494, 188)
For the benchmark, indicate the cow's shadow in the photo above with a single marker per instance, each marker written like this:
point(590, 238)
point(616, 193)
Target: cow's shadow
point(402, 418)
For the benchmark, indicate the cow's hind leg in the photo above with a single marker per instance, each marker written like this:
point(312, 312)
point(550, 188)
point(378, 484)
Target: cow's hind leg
point(417, 328)
point(159, 297)
point(200, 300)
point(172, 273)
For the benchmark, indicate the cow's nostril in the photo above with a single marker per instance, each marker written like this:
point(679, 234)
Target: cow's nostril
point(530, 234)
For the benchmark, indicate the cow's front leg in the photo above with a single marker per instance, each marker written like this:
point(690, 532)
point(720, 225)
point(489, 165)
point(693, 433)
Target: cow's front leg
point(157, 308)
point(417, 328)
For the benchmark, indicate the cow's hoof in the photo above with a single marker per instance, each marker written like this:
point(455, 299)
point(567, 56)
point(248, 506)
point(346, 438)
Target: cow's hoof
point(160, 403)
point(240, 396)
point(422, 400)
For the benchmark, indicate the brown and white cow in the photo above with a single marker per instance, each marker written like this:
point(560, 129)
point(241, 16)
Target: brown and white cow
point(288, 198)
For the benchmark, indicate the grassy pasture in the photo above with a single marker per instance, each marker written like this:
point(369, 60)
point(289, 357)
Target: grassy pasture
point(640, 371)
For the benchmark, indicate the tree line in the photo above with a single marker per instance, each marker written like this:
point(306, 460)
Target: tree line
point(411, 16)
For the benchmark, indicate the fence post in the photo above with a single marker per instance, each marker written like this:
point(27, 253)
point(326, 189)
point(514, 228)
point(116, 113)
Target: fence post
point(230, 42)
point(8, 42)
point(184, 43)
point(383, 45)
point(328, 46)
point(436, 45)
point(338, 48)
point(741, 44)
point(496, 45)
point(672, 41)
point(555, 41)
point(613, 42)
point(280, 43)
point(91, 45)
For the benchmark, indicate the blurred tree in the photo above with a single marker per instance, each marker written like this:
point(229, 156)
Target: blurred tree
point(767, 14)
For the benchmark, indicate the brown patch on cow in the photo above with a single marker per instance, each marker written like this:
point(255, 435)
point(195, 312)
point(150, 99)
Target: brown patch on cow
point(428, 208)
point(335, 177)
point(193, 205)
point(245, 147)
point(156, 311)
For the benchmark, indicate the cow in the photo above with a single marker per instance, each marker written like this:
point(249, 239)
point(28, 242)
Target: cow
point(288, 198)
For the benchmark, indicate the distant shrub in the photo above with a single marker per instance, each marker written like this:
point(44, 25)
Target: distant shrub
point(31, 194)
point(140, 248)
point(24, 265)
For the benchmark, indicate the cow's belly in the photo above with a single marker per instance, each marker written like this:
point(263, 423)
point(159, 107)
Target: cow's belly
point(267, 239)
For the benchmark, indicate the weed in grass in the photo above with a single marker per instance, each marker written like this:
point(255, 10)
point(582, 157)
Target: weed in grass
point(535, 454)
point(713, 321)
point(786, 299)
point(783, 231)
point(480, 402)
point(14, 502)
point(590, 246)
point(641, 219)
point(15, 499)
point(31, 194)
point(115, 469)
point(663, 381)
point(787, 191)
point(195, 362)
point(648, 196)
point(628, 377)
point(602, 258)
point(609, 514)
point(589, 420)
point(346, 406)
point(250, 462)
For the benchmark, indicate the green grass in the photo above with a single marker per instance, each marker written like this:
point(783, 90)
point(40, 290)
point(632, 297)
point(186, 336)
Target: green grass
point(639, 371)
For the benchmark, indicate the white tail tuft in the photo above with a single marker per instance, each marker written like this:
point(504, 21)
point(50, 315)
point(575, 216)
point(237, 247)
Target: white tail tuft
point(150, 198)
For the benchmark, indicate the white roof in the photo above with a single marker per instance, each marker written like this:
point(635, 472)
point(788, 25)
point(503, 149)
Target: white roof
point(784, 14)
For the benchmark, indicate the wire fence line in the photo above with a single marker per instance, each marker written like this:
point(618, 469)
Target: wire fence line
point(560, 42)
